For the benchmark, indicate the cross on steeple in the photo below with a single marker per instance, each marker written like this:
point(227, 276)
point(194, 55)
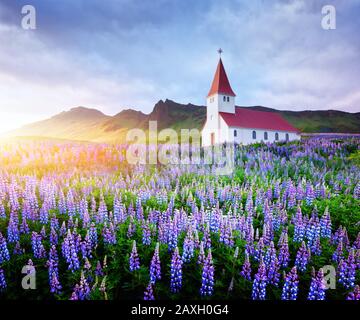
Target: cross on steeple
point(220, 51)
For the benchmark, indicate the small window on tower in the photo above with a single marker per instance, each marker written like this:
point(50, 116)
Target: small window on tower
point(276, 136)
point(224, 98)
point(228, 99)
point(287, 137)
point(254, 134)
point(235, 133)
point(265, 135)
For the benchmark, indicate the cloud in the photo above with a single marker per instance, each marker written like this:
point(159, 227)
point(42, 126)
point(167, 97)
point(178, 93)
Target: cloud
point(131, 53)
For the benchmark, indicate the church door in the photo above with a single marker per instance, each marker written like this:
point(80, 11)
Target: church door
point(212, 138)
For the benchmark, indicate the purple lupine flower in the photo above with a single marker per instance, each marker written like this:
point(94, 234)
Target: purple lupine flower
point(146, 234)
point(149, 292)
point(93, 235)
point(354, 295)
point(338, 253)
point(302, 257)
point(86, 246)
point(24, 228)
point(246, 268)
point(290, 288)
point(109, 234)
point(55, 286)
point(284, 254)
point(273, 274)
point(270, 254)
point(188, 248)
point(207, 279)
point(17, 249)
point(310, 196)
point(3, 284)
point(155, 267)
point(69, 252)
point(176, 272)
point(82, 290)
point(315, 247)
point(207, 238)
point(13, 232)
point(299, 230)
point(99, 270)
point(259, 250)
point(37, 246)
point(325, 224)
point(4, 252)
point(53, 237)
point(134, 261)
point(347, 271)
point(260, 283)
point(201, 257)
point(317, 286)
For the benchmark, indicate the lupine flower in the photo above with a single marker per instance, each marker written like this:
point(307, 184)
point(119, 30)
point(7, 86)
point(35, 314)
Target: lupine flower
point(201, 257)
point(325, 224)
point(99, 271)
point(37, 246)
point(284, 254)
point(207, 279)
point(246, 268)
point(290, 288)
point(273, 274)
point(176, 272)
point(4, 252)
point(155, 267)
point(149, 292)
point(188, 248)
point(134, 260)
point(317, 286)
point(69, 252)
point(146, 234)
point(354, 295)
point(3, 284)
point(302, 257)
point(260, 283)
point(347, 271)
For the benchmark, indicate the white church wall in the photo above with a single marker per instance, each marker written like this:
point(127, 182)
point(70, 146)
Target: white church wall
point(245, 136)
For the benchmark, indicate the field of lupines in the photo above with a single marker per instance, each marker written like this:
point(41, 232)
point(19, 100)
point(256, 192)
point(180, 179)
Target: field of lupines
point(90, 226)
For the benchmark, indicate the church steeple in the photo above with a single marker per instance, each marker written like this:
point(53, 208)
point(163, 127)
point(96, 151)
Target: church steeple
point(221, 84)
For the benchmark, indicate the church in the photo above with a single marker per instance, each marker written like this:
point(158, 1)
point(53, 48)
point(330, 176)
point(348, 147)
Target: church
point(226, 122)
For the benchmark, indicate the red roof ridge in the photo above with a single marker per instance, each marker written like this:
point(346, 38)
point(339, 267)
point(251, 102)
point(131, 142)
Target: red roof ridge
point(247, 118)
point(221, 82)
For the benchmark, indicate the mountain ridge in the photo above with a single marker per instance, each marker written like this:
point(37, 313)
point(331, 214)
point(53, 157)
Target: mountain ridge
point(89, 124)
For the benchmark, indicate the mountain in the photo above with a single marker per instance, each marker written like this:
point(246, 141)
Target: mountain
point(92, 125)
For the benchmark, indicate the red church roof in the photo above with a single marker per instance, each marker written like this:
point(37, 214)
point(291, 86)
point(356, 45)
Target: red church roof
point(221, 83)
point(252, 119)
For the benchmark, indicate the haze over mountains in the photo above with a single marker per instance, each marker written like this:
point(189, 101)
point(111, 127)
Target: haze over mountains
point(86, 124)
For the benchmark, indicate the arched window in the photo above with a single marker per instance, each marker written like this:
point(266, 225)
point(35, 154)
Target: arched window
point(224, 98)
point(276, 136)
point(265, 135)
point(235, 133)
point(228, 99)
point(254, 134)
point(287, 137)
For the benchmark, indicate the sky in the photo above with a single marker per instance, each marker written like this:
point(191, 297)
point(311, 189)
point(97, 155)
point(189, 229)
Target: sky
point(118, 54)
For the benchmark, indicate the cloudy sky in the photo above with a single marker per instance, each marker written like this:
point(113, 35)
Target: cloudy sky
point(117, 54)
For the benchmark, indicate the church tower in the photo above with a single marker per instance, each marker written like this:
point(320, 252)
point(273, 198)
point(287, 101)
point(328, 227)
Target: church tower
point(221, 97)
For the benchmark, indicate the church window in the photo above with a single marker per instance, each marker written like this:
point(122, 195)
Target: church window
point(276, 136)
point(265, 135)
point(287, 137)
point(228, 99)
point(235, 133)
point(224, 98)
point(254, 134)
